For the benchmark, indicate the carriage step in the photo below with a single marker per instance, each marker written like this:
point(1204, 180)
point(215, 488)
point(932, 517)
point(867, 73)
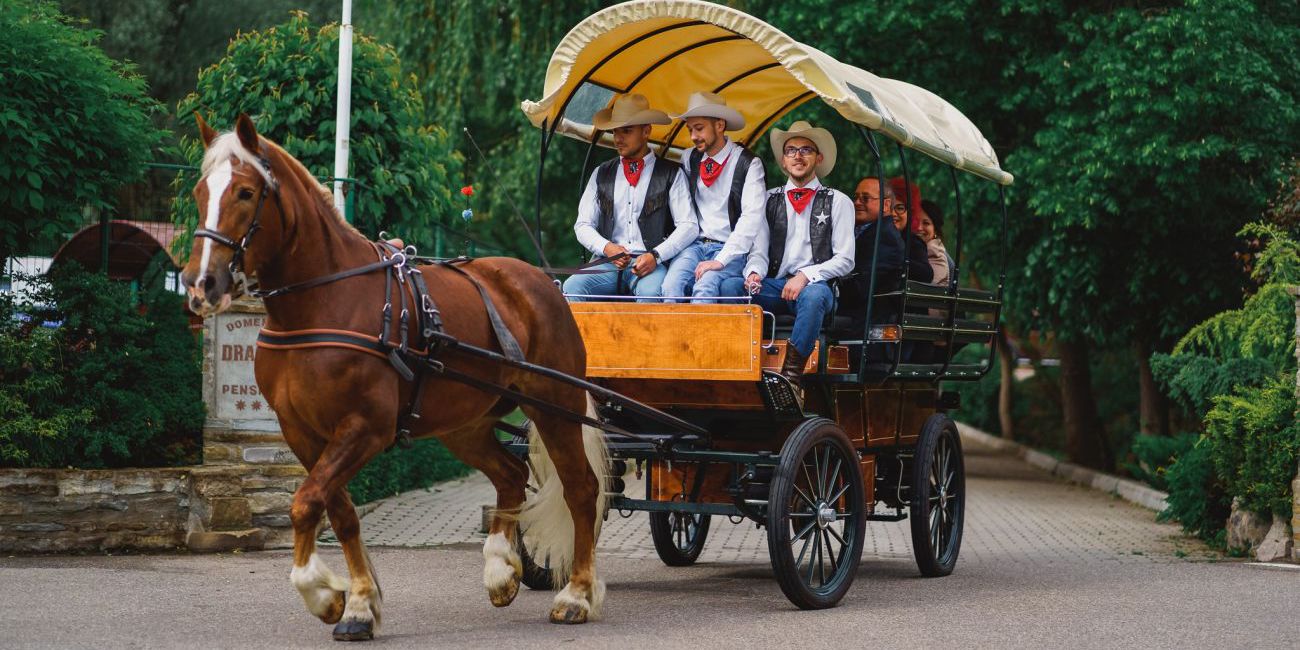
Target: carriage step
point(780, 396)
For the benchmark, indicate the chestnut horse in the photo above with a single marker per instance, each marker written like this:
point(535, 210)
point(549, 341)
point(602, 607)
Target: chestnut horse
point(338, 407)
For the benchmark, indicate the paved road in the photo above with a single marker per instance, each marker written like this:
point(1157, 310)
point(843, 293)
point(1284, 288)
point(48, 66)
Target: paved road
point(1044, 563)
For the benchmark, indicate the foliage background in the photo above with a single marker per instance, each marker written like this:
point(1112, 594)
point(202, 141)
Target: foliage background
point(74, 126)
point(115, 384)
point(285, 78)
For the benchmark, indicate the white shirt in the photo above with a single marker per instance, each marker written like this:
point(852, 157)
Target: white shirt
point(798, 242)
point(715, 214)
point(628, 201)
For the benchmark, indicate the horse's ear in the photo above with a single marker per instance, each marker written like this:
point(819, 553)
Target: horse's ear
point(205, 131)
point(247, 133)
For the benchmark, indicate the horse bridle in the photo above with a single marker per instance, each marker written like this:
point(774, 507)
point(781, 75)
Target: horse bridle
point(239, 277)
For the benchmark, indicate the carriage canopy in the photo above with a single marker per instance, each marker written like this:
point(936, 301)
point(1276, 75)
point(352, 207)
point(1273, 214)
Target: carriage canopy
point(666, 49)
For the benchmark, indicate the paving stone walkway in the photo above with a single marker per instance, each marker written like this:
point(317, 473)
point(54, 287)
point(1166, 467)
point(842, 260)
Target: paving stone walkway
point(1013, 510)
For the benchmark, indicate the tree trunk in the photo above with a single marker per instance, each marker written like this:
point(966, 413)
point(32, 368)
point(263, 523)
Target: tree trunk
point(1084, 437)
point(1007, 365)
point(1154, 408)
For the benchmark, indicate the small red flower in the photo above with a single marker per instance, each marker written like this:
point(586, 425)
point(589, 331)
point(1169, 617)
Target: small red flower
point(468, 190)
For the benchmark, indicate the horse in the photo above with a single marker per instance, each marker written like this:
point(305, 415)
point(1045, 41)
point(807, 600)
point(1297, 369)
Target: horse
point(338, 406)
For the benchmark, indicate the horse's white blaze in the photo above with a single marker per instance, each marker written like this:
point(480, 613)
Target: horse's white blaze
point(218, 180)
point(317, 584)
point(501, 564)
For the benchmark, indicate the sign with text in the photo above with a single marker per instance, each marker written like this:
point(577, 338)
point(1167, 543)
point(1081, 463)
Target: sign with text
point(234, 347)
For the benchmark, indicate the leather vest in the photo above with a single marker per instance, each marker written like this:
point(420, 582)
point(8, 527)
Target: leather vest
point(819, 231)
point(654, 220)
point(738, 177)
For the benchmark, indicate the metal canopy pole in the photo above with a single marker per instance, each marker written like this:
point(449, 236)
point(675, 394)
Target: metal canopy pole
point(343, 117)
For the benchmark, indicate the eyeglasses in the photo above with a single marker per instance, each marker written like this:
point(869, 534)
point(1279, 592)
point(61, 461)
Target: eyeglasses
point(865, 198)
point(791, 152)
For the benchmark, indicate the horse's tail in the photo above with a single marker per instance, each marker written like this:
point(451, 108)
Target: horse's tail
point(545, 518)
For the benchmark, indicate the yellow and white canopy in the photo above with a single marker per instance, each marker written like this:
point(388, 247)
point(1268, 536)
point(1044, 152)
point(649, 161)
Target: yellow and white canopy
point(667, 49)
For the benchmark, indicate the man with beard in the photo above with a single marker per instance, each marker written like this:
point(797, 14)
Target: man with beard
point(726, 181)
point(808, 241)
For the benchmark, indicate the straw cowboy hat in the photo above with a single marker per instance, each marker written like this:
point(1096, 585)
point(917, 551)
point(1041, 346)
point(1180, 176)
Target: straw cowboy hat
point(820, 137)
point(704, 104)
point(628, 110)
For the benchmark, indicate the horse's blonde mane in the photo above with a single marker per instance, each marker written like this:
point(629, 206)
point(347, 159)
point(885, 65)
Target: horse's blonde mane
point(227, 144)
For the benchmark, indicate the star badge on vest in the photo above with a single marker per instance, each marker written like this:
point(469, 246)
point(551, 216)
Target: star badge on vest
point(821, 218)
point(632, 170)
point(800, 198)
point(711, 169)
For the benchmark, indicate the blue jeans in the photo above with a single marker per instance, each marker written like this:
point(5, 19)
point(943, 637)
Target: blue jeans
point(681, 274)
point(809, 309)
point(616, 283)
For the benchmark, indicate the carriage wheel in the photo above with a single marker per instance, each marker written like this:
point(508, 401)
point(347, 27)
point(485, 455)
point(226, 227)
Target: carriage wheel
point(816, 515)
point(938, 506)
point(679, 537)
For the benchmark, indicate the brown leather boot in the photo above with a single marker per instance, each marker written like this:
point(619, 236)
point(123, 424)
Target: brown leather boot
point(792, 369)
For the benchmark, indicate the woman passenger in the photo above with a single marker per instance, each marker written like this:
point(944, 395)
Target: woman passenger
point(918, 264)
point(931, 232)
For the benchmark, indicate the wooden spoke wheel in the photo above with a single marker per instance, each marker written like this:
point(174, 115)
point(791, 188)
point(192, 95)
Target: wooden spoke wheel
point(816, 515)
point(938, 505)
point(679, 537)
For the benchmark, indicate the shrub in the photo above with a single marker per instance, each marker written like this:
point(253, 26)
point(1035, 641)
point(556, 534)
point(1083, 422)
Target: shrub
point(92, 377)
point(398, 470)
point(1197, 499)
point(1254, 440)
point(76, 125)
point(1156, 454)
point(285, 78)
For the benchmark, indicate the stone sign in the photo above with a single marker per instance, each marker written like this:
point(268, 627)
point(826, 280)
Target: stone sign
point(235, 395)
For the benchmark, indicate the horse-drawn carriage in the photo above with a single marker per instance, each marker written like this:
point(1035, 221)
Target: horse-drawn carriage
point(869, 439)
point(368, 346)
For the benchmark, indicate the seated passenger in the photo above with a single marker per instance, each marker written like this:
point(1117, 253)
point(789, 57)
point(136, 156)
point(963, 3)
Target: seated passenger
point(726, 181)
point(918, 262)
point(807, 243)
point(887, 260)
point(931, 232)
point(624, 212)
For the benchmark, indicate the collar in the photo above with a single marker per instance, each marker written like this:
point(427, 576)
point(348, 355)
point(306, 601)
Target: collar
point(723, 153)
point(814, 185)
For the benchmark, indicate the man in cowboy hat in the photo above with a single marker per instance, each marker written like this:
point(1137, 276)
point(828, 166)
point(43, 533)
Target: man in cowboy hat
point(808, 241)
point(624, 214)
point(726, 181)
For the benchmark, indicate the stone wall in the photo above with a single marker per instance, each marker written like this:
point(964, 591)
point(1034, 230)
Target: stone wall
point(239, 498)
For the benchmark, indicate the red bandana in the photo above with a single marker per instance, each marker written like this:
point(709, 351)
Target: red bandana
point(710, 169)
point(632, 170)
point(800, 198)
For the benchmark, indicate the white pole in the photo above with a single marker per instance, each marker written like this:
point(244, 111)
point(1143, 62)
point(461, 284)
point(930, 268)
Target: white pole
point(343, 118)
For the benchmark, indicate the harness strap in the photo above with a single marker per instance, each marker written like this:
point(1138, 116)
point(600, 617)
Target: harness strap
point(396, 260)
point(509, 345)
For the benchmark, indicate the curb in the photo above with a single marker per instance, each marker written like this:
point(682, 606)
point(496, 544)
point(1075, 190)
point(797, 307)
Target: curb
point(1131, 491)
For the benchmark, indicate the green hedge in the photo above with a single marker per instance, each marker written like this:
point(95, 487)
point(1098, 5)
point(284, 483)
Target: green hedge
point(94, 373)
point(398, 470)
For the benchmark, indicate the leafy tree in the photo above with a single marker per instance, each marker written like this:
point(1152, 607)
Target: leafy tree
point(474, 62)
point(285, 77)
point(75, 126)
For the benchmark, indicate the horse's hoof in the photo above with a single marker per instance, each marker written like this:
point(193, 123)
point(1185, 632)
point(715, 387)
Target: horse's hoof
point(505, 595)
point(335, 611)
point(569, 614)
point(354, 631)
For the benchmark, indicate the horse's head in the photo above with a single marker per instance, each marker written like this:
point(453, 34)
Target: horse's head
point(237, 197)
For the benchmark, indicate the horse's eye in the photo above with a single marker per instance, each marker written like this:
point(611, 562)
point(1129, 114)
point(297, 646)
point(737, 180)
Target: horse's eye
point(245, 194)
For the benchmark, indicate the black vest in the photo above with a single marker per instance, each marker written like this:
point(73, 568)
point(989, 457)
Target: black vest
point(818, 231)
point(746, 157)
point(654, 220)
